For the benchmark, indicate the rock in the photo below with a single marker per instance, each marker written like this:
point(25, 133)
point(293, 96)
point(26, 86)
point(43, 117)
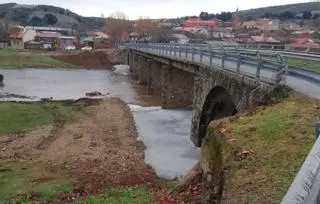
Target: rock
point(95, 93)
point(77, 136)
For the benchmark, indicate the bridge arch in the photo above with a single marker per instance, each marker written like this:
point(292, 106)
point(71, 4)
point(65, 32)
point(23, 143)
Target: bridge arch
point(218, 104)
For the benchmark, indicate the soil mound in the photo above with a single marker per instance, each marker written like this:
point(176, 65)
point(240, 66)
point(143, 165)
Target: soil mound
point(88, 60)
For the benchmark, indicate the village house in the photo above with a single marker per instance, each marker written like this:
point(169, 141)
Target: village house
point(305, 44)
point(222, 33)
point(49, 40)
point(289, 26)
point(262, 24)
point(65, 31)
point(134, 36)
point(197, 22)
point(264, 40)
point(125, 37)
point(67, 41)
point(4, 43)
point(303, 33)
point(97, 39)
point(18, 39)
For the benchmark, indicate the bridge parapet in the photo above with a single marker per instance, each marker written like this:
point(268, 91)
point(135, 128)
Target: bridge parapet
point(231, 60)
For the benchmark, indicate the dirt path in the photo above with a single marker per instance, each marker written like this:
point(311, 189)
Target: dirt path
point(99, 150)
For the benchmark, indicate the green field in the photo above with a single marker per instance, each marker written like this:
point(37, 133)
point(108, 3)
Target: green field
point(18, 117)
point(305, 64)
point(12, 58)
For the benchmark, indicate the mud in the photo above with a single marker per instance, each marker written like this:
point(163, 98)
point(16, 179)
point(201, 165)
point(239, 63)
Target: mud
point(99, 150)
point(88, 60)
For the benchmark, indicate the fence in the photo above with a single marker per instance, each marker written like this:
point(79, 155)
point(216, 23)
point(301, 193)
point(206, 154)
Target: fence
point(231, 60)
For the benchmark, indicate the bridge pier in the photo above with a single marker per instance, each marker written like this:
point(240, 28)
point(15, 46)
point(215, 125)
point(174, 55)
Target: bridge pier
point(142, 71)
point(176, 87)
point(154, 78)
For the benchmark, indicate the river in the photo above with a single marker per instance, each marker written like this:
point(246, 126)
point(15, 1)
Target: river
point(164, 132)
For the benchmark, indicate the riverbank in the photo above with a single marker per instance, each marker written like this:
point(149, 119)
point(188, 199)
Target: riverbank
point(11, 58)
point(82, 149)
point(269, 145)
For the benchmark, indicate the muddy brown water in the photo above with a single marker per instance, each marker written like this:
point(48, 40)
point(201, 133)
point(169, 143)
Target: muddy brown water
point(62, 84)
point(164, 132)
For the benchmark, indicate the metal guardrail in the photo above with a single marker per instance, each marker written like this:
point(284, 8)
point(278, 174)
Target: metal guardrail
point(298, 71)
point(209, 55)
point(305, 188)
point(273, 47)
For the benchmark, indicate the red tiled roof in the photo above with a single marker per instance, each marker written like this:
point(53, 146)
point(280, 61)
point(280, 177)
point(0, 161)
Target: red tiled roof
point(306, 43)
point(198, 22)
point(263, 39)
point(17, 35)
point(304, 31)
point(125, 36)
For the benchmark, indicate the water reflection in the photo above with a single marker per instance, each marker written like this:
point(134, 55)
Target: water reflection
point(61, 84)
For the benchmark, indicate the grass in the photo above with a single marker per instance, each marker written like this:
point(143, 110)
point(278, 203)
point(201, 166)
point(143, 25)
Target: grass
point(137, 195)
point(18, 117)
point(12, 58)
point(280, 138)
point(22, 181)
point(310, 65)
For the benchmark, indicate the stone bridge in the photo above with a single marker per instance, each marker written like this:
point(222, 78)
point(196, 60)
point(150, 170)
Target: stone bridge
point(212, 92)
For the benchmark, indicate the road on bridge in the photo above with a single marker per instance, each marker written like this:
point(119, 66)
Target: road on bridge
point(297, 83)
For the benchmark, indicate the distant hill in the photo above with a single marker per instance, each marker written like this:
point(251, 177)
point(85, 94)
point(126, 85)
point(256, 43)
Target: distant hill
point(294, 8)
point(43, 15)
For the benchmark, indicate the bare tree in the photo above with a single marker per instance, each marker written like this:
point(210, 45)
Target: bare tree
point(145, 26)
point(116, 24)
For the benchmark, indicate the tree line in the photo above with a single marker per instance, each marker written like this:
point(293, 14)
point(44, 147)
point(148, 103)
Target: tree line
point(307, 15)
point(223, 16)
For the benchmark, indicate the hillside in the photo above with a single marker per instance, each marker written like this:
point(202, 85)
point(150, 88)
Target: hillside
point(43, 15)
point(294, 8)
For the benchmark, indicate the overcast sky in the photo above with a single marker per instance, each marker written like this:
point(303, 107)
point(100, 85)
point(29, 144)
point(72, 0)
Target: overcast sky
point(155, 8)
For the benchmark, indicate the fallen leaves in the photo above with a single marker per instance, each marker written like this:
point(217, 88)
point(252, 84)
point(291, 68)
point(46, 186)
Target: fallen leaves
point(230, 135)
point(192, 194)
point(243, 153)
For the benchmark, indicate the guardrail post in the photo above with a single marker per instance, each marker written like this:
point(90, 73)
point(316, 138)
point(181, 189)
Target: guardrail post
point(223, 58)
point(258, 66)
point(318, 129)
point(167, 50)
point(308, 49)
point(180, 51)
point(175, 50)
point(193, 53)
point(258, 70)
point(186, 51)
point(238, 64)
point(211, 56)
